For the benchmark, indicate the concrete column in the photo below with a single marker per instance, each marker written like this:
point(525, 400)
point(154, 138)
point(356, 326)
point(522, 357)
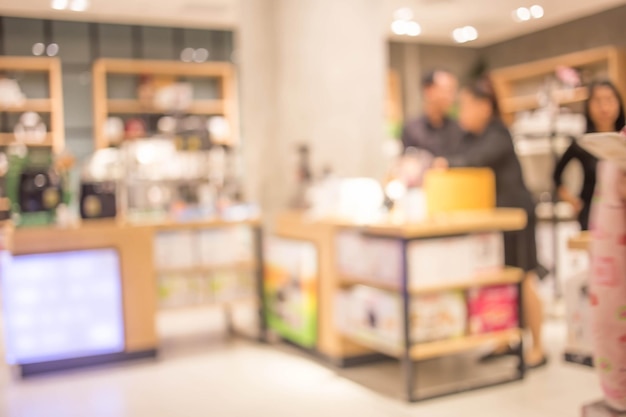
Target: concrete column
point(326, 66)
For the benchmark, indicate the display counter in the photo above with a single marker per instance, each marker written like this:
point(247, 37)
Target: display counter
point(410, 291)
point(96, 288)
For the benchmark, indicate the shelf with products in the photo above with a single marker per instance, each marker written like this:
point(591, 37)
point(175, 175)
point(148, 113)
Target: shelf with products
point(518, 86)
point(206, 107)
point(248, 266)
point(506, 276)
point(169, 93)
point(9, 139)
point(448, 308)
point(53, 105)
point(42, 105)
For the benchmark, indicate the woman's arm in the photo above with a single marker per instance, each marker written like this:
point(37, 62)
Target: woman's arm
point(486, 151)
point(563, 192)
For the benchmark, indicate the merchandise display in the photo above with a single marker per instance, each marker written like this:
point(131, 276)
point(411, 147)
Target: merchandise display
point(11, 94)
point(378, 260)
point(291, 280)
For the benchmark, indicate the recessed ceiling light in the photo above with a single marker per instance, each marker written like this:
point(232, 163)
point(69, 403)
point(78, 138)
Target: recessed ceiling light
point(79, 5)
point(522, 14)
point(470, 33)
point(403, 14)
point(458, 35)
point(536, 11)
point(465, 34)
point(59, 4)
point(400, 27)
point(413, 29)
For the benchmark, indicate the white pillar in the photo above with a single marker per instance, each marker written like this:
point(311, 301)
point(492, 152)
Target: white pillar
point(326, 64)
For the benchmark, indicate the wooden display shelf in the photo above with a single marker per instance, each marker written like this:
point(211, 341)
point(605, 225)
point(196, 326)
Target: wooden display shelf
point(224, 73)
point(444, 224)
point(508, 275)
point(9, 139)
point(430, 350)
point(208, 304)
point(580, 242)
point(52, 105)
point(509, 82)
point(130, 106)
point(531, 102)
point(249, 266)
point(40, 105)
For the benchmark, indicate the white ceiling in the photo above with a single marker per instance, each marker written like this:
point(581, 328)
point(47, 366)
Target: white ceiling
point(492, 18)
point(178, 13)
point(438, 18)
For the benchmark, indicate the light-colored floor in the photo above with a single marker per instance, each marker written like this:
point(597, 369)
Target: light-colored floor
point(245, 379)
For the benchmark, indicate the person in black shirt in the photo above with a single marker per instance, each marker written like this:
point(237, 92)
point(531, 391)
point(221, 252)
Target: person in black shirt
point(488, 144)
point(604, 111)
point(435, 131)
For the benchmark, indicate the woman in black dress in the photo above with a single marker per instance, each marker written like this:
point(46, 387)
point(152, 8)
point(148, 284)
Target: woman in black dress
point(604, 110)
point(488, 144)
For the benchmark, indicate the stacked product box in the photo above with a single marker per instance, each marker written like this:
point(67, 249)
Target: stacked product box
point(225, 246)
point(431, 262)
point(376, 315)
point(184, 262)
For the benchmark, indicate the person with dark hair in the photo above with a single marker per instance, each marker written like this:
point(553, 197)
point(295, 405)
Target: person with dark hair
point(434, 131)
point(604, 110)
point(488, 144)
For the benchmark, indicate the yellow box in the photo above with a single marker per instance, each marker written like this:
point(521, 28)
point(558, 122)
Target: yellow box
point(460, 189)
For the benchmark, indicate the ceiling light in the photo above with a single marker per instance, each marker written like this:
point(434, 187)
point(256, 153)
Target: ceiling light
point(536, 11)
point(465, 34)
point(458, 35)
point(413, 29)
point(79, 5)
point(400, 27)
point(59, 4)
point(403, 14)
point(522, 14)
point(470, 33)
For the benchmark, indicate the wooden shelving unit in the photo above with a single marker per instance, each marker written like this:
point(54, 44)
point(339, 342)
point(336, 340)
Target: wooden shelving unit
point(440, 348)
point(517, 86)
point(52, 105)
point(235, 267)
point(224, 73)
point(508, 275)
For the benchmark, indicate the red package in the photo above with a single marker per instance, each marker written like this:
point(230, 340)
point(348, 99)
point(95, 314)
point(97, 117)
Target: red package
point(493, 309)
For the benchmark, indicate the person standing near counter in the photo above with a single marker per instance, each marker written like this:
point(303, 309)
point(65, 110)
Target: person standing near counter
point(488, 144)
point(604, 110)
point(435, 131)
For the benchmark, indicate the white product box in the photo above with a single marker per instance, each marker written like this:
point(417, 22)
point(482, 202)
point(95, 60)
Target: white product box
point(438, 317)
point(437, 261)
point(174, 250)
point(377, 315)
point(487, 252)
point(225, 246)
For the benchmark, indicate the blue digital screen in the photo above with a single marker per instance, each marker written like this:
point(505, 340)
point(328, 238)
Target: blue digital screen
point(62, 305)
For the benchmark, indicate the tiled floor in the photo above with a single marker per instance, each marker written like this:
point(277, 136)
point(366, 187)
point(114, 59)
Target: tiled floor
point(245, 379)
